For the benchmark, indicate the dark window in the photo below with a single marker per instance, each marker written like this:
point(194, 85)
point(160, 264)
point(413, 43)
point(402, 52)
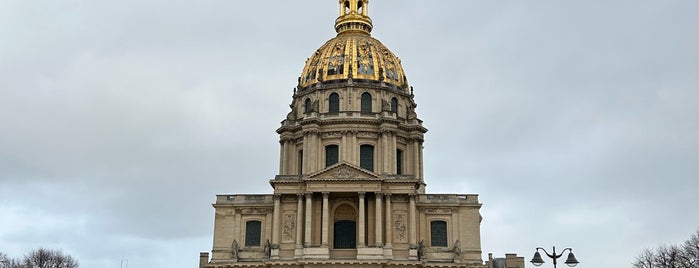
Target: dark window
point(438, 233)
point(334, 103)
point(300, 162)
point(307, 106)
point(399, 162)
point(366, 157)
point(345, 234)
point(331, 155)
point(366, 102)
point(253, 231)
point(394, 105)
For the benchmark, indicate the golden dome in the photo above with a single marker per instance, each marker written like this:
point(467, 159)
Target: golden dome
point(353, 53)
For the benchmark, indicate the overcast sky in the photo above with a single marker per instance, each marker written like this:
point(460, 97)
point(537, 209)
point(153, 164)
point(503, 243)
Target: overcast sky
point(577, 122)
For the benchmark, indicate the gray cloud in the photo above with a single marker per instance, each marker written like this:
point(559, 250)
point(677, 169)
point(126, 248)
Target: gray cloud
point(120, 121)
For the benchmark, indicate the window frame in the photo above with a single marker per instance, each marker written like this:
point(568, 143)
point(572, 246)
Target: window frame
point(366, 100)
point(436, 240)
point(258, 235)
point(364, 162)
point(334, 103)
point(336, 156)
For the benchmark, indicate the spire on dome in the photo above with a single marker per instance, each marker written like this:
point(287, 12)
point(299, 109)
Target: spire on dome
point(353, 17)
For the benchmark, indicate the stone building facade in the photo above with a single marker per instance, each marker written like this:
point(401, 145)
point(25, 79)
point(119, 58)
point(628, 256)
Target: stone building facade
point(350, 189)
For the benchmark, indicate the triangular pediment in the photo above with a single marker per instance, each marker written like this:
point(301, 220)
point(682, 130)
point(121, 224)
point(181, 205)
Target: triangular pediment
point(343, 171)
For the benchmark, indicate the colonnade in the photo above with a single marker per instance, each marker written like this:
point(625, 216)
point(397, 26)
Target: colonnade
point(304, 220)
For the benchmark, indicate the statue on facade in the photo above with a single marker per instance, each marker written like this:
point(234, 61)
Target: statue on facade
point(385, 106)
point(421, 250)
point(234, 250)
point(457, 250)
point(268, 249)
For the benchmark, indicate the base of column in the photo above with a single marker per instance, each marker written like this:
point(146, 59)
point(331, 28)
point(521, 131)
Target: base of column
point(412, 254)
point(298, 252)
point(274, 254)
point(316, 253)
point(369, 253)
point(388, 252)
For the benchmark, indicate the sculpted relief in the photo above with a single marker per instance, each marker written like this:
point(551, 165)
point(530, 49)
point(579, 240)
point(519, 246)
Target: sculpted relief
point(400, 225)
point(288, 228)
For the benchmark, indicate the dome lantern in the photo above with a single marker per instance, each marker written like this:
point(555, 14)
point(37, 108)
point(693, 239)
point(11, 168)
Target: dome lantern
point(353, 17)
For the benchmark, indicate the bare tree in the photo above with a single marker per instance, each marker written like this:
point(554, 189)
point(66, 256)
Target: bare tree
point(49, 258)
point(690, 248)
point(7, 262)
point(671, 256)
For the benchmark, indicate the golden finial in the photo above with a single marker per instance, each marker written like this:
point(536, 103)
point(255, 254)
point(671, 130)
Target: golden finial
point(353, 17)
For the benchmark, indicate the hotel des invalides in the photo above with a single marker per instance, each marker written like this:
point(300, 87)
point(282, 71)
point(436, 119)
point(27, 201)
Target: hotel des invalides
point(350, 190)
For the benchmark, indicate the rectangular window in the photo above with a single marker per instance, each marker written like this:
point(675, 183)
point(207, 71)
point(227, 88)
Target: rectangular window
point(253, 232)
point(366, 157)
point(299, 160)
point(399, 162)
point(331, 155)
point(438, 233)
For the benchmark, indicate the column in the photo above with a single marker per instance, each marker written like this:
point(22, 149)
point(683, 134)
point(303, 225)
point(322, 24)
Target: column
point(379, 221)
point(355, 149)
point(393, 149)
point(238, 224)
point(420, 162)
point(360, 229)
point(411, 221)
point(416, 160)
point(455, 224)
point(306, 153)
point(275, 220)
point(386, 153)
point(299, 220)
point(344, 147)
point(312, 152)
point(309, 219)
point(282, 151)
point(326, 219)
point(389, 223)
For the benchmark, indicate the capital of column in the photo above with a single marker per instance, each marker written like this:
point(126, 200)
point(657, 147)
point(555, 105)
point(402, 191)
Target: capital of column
point(378, 194)
point(361, 194)
point(277, 196)
point(300, 195)
point(325, 194)
point(309, 194)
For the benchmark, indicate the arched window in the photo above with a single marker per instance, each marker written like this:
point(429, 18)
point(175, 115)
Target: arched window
point(334, 103)
point(438, 233)
point(253, 232)
point(331, 155)
point(399, 162)
point(366, 157)
point(366, 102)
point(394, 105)
point(307, 106)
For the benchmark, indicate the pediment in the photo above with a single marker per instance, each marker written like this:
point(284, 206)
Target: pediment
point(343, 171)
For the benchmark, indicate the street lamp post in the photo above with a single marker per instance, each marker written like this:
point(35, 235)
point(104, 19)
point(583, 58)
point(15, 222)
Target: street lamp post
point(538, 261)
